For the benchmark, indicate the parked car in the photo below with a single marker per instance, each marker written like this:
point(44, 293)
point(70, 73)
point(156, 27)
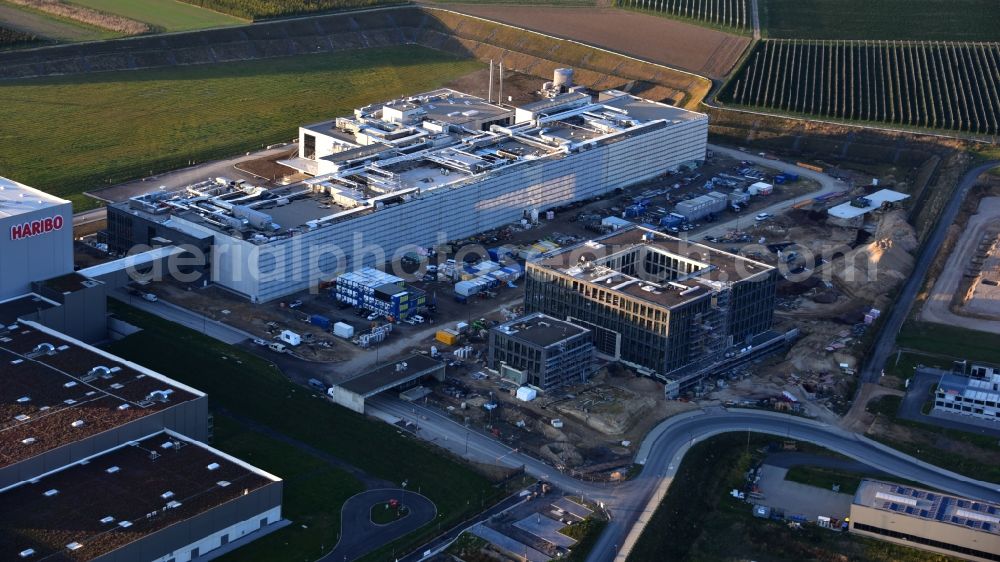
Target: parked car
point(294, 304)
point(374, 316)
point(149, 297)
point(763, 216)
point(260, 342)
point(277, 347)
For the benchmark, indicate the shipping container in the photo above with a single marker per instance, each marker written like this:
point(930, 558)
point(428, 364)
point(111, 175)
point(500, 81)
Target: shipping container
point(447, 337)
point(343, 330)
point(320, 321)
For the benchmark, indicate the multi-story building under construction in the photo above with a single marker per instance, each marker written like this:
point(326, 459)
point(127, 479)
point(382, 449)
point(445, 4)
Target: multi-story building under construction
point(667, 306)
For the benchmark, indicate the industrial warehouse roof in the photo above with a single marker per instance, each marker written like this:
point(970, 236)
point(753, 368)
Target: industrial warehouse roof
point(848, 211)
point(69, 283)
point(987, 390)
point(17, 198)
point(931, 506)
point(14, 308)
point(136, 261)
point(390, 375)
point(710, 268)
point(116, 497)
point(53, 392)
point(438, 144)
point(540, 329)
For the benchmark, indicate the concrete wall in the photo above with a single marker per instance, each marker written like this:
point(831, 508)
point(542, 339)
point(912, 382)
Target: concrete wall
point(43, 256)
point(204, 531)
point(347, 399)
point(188, 418)
point(444, 214)
point(83, 314)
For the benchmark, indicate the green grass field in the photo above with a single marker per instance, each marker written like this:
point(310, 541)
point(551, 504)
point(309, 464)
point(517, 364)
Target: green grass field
point(164, 15)
point(66, 135)
point(311, 487)
point(950, 341)
point(244, 385)
point(930, 20)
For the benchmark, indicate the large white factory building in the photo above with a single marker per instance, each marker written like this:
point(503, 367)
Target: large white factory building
point(36, 237)
point(416, 172)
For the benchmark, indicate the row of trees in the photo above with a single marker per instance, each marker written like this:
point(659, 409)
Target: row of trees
point(725, 13)
point(263, 9)
point(15, 38)
point(924, 84)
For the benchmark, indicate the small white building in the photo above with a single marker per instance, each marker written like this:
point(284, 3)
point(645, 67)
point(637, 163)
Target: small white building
point(290, 337)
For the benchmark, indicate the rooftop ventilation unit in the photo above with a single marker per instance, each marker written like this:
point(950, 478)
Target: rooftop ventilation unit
point(77, 423)
point(50, 493)
point(23, 399)
point(74, 546)
point(108, 519)
point(22, 417)
point(123, 407)
point(213, 466)
point(124, 524)
point(93, 374)
point(28, 440)
point(223, 483)
point(112, 469)
point(172, 505)
point(28, 552)
point(70, 384)
point(43, 349)
point(167, 495)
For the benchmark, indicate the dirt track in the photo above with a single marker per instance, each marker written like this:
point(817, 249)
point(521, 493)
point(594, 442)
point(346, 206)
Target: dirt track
point(937, 306)
point(689, 47)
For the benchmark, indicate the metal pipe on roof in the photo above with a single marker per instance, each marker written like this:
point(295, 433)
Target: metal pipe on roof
point(500, 91)
point(489, 96)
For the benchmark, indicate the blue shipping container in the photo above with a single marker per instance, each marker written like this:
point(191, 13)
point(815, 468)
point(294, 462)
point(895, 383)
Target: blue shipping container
point(319, 320)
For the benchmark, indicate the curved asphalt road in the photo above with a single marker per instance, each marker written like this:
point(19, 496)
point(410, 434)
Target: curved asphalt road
point(359, 536)
point(886, 340)
point(661, 453)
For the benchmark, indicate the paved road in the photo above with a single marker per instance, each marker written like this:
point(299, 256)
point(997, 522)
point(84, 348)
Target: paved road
point(87, 217)
point(184, 317)
point(661, 453)
point(827, 185)
point(359, 535)
point(790, 460)
point(885, 341)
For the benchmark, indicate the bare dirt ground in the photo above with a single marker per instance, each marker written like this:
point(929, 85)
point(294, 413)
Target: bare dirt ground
point(937, 307)
point(661, 40)
point(858, 419)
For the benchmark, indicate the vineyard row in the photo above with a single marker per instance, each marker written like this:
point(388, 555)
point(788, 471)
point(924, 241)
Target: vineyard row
point(725, 13)
point(939, 85)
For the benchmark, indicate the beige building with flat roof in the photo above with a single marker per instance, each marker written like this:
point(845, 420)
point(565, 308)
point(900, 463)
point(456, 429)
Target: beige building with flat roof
point(933, 521)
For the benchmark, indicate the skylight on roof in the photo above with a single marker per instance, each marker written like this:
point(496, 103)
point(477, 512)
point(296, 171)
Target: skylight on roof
point(74, 546)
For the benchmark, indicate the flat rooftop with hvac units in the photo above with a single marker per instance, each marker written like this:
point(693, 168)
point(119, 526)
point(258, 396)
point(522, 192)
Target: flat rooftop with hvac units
point(410, 172)
point(101, 459)
point(941, 523)
point(400, 375)
point(541, 351)
point(135, 501)
point(666, 305)
point(63, 400)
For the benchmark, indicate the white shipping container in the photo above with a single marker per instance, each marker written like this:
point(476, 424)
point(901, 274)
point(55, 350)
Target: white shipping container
point(343, 330)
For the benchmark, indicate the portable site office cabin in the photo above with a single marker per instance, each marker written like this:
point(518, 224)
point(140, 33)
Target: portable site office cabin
point(290, 337)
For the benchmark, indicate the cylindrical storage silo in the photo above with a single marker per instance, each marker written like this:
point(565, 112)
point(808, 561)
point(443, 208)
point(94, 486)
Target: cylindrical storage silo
point(562, 78)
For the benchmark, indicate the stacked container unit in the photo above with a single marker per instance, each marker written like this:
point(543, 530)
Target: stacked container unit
point(702, 206)
point(378, 292)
